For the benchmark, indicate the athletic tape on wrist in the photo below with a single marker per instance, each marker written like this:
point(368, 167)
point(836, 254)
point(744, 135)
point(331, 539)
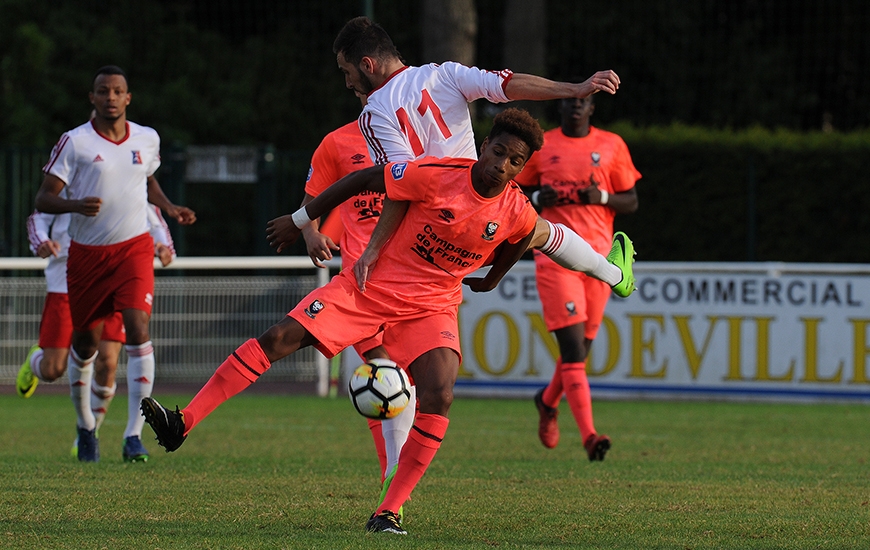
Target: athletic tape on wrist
point(605, 196)
point(300, 218)
point(535, 196)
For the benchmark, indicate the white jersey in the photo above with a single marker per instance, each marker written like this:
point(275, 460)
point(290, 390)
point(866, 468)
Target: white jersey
point(423, 111)
point(91, 165)
point(43, 227)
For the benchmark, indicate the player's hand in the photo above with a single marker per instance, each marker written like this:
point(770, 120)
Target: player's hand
point(163, 253)
point(181, 214)
point(88, 206)
point(48, 248)
point(477, 284)
point(282, 232)
point(319, 246)
point(602, 81)
point(548, 196)
point(363, 267)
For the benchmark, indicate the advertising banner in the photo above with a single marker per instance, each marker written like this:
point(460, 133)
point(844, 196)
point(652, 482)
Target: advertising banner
point(767, 331)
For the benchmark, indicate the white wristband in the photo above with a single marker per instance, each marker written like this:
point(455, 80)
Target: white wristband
point(300, 218)
point(605, 196)
point(534, 197)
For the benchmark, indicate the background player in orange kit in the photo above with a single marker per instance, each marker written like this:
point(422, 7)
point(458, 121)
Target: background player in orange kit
point(582, 178)
point(341, 152)
point(107, 167)
point(461, 213)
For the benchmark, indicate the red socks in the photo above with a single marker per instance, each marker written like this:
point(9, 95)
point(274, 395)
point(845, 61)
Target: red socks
point(380, 446)
point(579, 397)
point(237, 372)
point(553, 392)
point(423, 442)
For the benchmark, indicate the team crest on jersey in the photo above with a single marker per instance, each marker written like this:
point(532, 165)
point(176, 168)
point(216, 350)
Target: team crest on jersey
point(137, 157)
point(572, 308)
point(315, 308)
point(446, 215)
point(358, 158)
point(310, 173)
point(596, 158)
point(398, 170)
point(489, 232)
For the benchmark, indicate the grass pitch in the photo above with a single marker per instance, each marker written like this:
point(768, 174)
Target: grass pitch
point(300, 472)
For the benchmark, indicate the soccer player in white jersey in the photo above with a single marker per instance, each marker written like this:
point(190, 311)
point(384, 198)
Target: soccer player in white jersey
point(47, 361)
point(412, 112)
point(107, 168)
point(423, 111)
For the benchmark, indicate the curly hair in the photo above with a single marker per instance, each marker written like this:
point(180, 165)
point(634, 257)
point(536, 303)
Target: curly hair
point(519, 123)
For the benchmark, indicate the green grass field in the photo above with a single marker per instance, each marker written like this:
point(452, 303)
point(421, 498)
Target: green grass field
point(300, 472)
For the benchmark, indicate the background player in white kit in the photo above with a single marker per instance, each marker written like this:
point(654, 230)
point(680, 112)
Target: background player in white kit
point(47, 361)
point(107, 166)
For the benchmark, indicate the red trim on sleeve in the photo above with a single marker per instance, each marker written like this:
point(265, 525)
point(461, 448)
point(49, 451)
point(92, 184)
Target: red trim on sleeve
point(56, 153)
point(365, 121)
point(507, 75)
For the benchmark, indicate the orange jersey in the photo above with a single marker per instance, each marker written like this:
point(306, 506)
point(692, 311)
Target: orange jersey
point(341, 152)
point(571, 164)
point(448, 232)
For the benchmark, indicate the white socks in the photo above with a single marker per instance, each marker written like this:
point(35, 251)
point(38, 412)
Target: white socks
point(140, 382)
point(569, 250)
point(35, 360)
point(81, 373)
point(101, 397)
point(396, 431)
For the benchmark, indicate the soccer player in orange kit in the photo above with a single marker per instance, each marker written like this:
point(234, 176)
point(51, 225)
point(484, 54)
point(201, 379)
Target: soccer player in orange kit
point(462, 212)
point(582, 178)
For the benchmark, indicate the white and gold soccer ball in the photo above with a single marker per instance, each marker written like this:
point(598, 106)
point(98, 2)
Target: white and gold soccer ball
point(379, 389)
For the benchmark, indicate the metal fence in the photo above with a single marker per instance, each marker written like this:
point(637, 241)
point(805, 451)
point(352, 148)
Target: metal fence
point(197, 321)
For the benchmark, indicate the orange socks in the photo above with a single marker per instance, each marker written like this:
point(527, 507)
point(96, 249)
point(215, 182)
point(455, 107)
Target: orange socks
point(553, 392)
point(423, 442)
point(579, 397)
point(380, 446)
point(237, 372)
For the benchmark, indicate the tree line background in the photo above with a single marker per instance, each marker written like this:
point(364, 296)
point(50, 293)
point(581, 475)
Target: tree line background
point(788, 73)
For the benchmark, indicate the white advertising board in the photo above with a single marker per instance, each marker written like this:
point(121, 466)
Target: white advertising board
point(766, 331)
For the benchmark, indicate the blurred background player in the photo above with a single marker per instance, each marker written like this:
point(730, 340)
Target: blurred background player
point(107, 168)
point(47, 361)
point(341, 152)
point(414, 112)
point(582, 178)
point(415, 294)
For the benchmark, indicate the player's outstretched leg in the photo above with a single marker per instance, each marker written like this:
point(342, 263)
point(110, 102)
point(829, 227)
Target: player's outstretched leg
point(596, 446)
point(167, 425)
point(622, 256)
point(385, 522)
point(26, 382)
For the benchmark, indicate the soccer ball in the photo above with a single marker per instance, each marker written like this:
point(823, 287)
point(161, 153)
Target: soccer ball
point(379, 389)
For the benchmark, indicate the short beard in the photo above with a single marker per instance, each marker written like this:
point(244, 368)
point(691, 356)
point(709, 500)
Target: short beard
point(365, 82)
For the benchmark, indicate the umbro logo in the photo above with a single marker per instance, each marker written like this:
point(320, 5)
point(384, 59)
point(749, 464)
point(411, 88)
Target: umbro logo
point(447, 335)
point(447, 216)
point(358, 158)
point(98, 158)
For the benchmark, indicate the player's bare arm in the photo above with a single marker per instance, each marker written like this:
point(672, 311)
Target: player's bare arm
point(506, 256)
point(181, 214)
point(48, 199)
point(283, 231)
point(319, 246)
point(623, 203)
point(391, 216)
point(530, 87)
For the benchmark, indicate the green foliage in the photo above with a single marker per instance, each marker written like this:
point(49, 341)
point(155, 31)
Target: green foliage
point(281, 471)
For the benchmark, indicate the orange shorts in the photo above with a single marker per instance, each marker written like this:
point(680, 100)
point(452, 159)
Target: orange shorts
point(104, 279)
point(569, 298)
point(338, 315)
point(55, 328)
point(367, 345)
